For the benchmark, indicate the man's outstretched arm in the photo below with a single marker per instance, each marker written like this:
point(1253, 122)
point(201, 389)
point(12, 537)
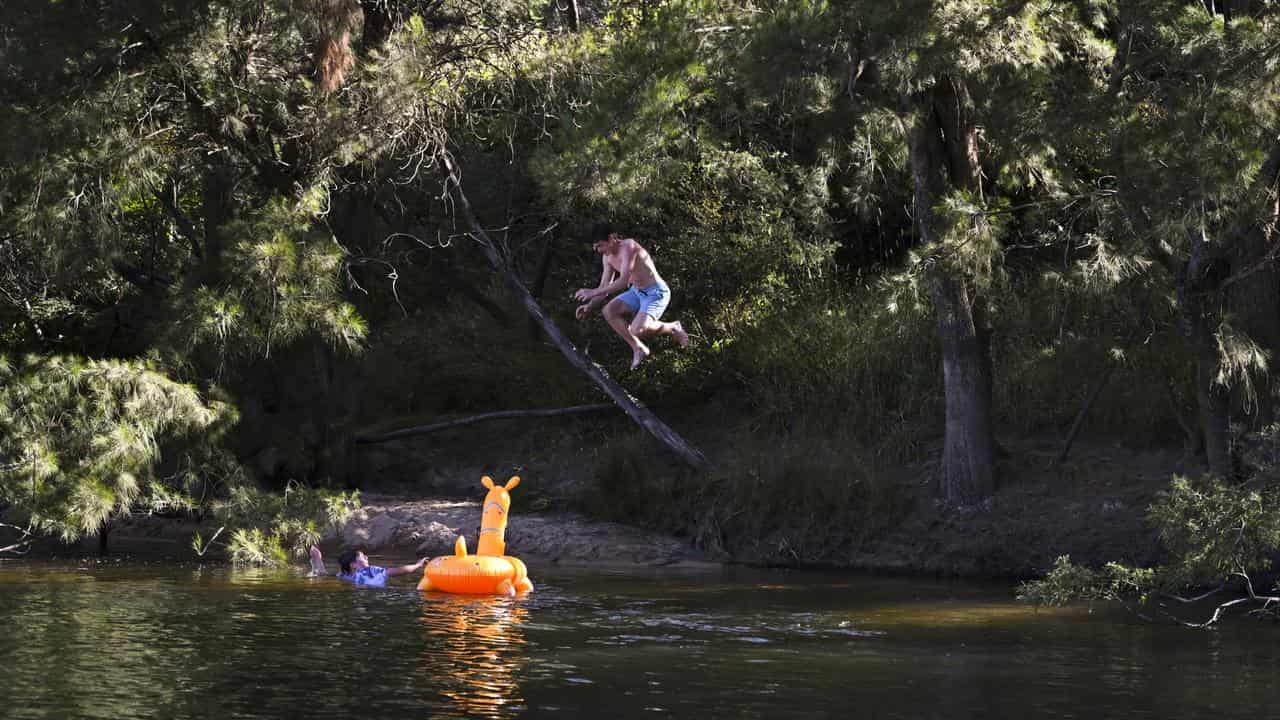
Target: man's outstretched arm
point(406, 569)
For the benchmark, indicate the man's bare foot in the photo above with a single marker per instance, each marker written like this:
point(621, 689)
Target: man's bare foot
point(682, 337)
point(638, 355)
point(317, 561)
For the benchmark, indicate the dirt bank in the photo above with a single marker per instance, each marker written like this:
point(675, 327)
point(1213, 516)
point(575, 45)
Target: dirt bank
point(428, 527)
point(1092, 507)
point(399, 527)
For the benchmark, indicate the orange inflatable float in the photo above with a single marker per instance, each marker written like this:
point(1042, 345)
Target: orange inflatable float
point(489, 571)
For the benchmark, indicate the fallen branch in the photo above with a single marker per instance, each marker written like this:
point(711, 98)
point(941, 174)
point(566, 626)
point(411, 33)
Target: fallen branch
point(1217, 612)
point(1197, 598)
point(483, 417)
point(201, 547)
point(1251, 597)
point(24, 542)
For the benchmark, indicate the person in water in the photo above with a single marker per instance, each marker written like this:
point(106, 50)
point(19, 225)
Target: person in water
point(626, 264)
point(354, 567)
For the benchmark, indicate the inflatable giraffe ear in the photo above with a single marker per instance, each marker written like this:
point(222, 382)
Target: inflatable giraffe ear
point(514, 481)
point(487, 482)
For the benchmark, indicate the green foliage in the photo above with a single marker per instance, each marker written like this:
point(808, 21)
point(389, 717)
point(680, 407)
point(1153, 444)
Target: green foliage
point(798, 501)
point(257, 547)
point(273, 527)
point(623, 487)
point(815, 363)
point(1065, 583)
point(1056, 338)
point(174, 185)
point(80, 439)
point(1214, 532)
point(805, 498)
point(1213, 529)
point(1068, 582)
point(289, 285)
point(735, 219)
point(83, 441)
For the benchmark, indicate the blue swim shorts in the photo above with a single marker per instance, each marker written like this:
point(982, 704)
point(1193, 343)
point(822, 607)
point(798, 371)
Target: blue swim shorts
point(651, 300)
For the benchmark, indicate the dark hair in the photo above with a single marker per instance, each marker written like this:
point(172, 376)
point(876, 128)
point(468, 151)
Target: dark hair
point(345, 560)
point(600, 232)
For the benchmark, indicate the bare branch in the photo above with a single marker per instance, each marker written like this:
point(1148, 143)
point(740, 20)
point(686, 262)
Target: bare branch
point(1197, 598)
point(1217, 612)
point(25, 538)
point(483, 417)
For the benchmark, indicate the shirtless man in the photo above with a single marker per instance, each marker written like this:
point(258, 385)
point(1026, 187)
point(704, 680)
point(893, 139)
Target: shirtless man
point(625, 263)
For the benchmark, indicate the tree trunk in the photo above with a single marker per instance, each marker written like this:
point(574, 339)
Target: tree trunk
point(502, 265)
point(1254, 292)
point(1212, 401)
point(379, 21)
point(1201, 292)
point(216, 208)
point(957, 122)
point(1215, 414)
point(943, 134)
point(1256, 301)
point(968, 456)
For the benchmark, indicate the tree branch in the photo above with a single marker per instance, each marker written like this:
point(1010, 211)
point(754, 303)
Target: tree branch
point(1197, 598)
point(184, 224)
point(24, 542)
point(483, 417)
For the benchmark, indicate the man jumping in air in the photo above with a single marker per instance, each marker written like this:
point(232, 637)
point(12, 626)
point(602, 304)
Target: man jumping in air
point(625, 264)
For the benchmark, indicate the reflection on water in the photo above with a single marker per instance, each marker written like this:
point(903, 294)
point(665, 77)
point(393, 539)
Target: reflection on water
point(131, 639)
point(474, 646)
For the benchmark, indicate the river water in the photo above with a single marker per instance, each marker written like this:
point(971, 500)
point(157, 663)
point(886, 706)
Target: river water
point(134, 639)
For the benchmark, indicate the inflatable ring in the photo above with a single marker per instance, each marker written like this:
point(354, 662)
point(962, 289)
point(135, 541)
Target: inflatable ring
point(489, 571)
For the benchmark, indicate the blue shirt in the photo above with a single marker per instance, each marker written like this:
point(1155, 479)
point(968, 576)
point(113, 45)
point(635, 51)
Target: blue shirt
point(373, 576)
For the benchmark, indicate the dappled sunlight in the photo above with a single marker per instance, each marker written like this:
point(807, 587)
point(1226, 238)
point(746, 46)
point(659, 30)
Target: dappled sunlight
point(945, 615)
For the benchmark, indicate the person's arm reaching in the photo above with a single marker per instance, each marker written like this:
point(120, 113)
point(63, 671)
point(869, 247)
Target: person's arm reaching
point(406, 569)
point(586, 308)
point(594, 297)
point(317, 561)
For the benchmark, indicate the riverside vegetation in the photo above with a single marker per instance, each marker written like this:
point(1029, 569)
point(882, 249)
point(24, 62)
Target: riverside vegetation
point(235, 236)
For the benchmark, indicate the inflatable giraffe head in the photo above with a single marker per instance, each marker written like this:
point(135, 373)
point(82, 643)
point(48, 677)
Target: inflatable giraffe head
point(493, 521)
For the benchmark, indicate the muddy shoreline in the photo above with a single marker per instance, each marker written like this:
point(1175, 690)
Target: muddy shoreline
point(1092, 508)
